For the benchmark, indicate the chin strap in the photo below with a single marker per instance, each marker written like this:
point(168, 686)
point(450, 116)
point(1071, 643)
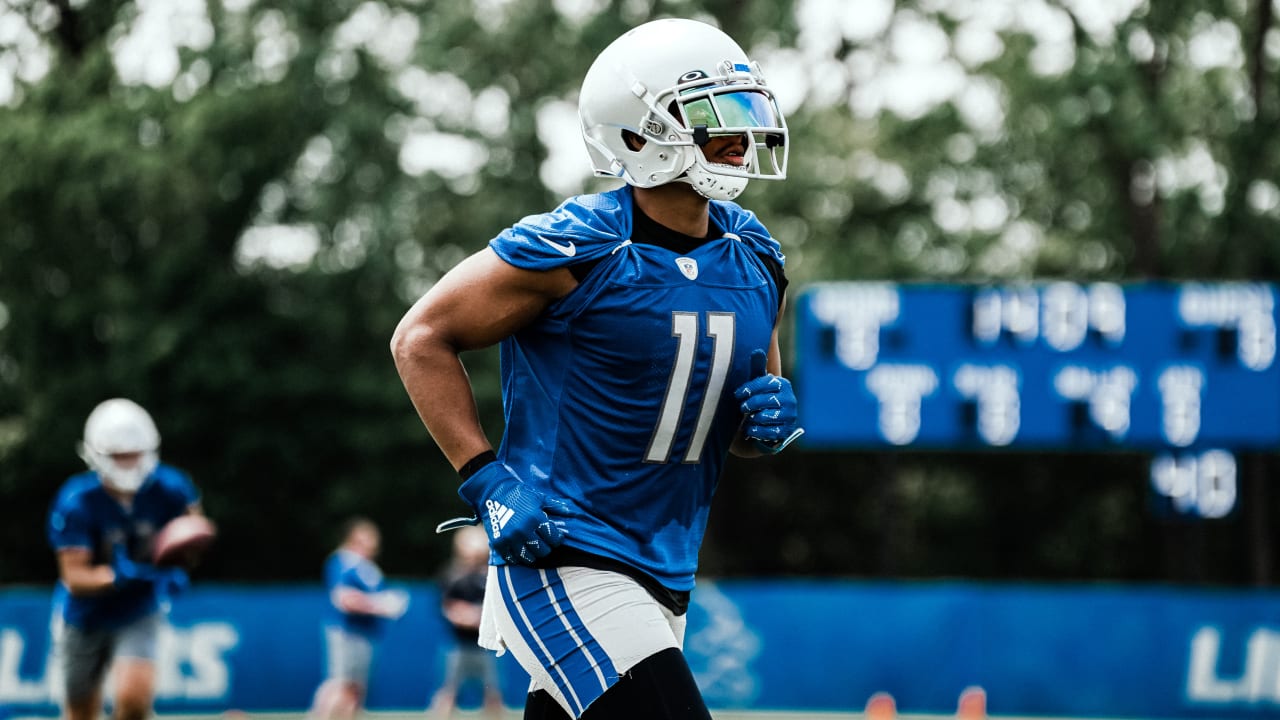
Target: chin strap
point(711, 185)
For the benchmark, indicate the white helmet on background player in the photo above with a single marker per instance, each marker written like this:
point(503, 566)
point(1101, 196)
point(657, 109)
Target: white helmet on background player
point(676, 83)
point(119, 426)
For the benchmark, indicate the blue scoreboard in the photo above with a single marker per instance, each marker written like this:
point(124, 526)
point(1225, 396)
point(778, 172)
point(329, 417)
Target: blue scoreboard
point(1185, 371)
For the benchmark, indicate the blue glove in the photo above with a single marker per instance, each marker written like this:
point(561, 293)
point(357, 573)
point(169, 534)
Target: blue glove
point(170, 581)
point(517, 517)
point(769, 404)
point(127, 571)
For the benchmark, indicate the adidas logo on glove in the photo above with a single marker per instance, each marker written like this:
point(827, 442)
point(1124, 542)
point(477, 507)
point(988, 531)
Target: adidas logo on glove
point(499, 514)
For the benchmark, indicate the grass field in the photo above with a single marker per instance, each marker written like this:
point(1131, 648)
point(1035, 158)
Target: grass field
point(516, 715)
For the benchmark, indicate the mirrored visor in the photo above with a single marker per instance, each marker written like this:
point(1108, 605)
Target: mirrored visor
point(743, 109)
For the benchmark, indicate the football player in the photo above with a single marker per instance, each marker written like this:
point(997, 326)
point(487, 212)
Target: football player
point(360, 606)
point(461, 602)
point(110, 600)
point(638, 341)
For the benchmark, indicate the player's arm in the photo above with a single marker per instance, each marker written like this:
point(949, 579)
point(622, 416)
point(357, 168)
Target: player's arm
point(476, 304)
point(353, 601)
point(481, 301)
point(72, 542)
point(81, 576)
point(461, 613)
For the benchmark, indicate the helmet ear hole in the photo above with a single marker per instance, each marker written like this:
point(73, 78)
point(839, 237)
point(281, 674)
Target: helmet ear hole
point(633, 141)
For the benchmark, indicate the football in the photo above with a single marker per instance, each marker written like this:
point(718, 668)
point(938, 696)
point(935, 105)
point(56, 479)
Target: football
point(183, 540)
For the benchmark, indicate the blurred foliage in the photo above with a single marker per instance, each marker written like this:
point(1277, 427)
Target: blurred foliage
point(125, 209)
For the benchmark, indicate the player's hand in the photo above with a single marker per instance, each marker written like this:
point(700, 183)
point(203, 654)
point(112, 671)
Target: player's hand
point(170, 581)
point(519, 520)
point(128, 571)
point(391, 604)
point(771, 419)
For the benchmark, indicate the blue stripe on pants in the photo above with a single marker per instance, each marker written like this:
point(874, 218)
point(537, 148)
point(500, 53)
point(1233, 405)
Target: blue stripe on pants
point(590, 648)
point(551, 627)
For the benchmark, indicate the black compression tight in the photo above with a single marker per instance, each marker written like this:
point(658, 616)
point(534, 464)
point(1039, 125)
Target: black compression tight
point(660, 687)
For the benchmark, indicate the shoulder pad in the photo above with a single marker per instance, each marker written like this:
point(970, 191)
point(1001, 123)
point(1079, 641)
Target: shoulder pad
point(744, 225)
point(585, 227)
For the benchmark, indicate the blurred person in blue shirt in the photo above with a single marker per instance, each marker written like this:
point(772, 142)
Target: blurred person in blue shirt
point(110, 602)
point(360, 607)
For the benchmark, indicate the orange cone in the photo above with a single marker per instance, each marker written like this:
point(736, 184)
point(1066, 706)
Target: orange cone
point(972, 705)
point(881, 707)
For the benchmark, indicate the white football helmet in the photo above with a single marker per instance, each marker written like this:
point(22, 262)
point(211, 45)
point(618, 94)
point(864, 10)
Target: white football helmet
point(676, 83)
point(120, 426)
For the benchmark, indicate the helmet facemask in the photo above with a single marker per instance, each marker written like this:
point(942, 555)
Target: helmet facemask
point(734, 103)
point(117, 476)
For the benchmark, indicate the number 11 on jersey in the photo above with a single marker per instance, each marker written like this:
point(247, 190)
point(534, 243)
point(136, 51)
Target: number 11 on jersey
point(684, 327)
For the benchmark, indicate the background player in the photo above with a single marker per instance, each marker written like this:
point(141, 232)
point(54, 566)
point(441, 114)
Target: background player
point(639, 347)
point(110, 601)
point(461, 600)
point(359, 608)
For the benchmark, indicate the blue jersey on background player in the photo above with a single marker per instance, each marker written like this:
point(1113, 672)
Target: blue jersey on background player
point(85, 515)
point(347, 569)
point(360, 607)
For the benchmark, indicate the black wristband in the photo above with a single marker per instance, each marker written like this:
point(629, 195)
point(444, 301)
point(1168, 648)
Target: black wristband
point(470, 467)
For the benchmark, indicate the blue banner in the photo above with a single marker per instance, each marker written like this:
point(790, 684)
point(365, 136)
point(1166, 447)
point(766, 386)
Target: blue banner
point(1055, 365)
point(244, 648)
point(1089, 651)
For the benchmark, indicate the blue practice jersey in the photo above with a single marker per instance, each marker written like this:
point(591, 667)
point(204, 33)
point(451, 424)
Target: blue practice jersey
point(347, 569)
point(85, 516)
point(619, 398)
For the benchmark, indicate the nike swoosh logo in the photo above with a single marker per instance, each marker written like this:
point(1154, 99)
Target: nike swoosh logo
point(566, 250)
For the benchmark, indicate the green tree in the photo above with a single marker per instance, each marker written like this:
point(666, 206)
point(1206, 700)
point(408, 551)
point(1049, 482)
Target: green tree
point(1135, 146)
point(229, 234)
point(134, 205)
